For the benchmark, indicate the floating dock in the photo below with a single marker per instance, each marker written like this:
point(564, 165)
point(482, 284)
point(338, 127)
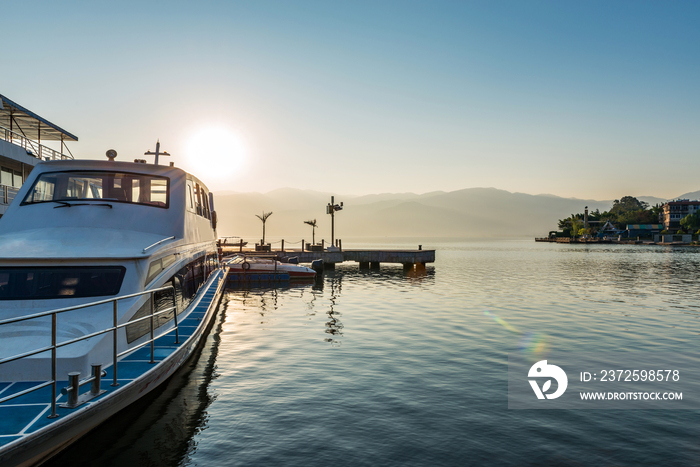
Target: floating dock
point(367, 259)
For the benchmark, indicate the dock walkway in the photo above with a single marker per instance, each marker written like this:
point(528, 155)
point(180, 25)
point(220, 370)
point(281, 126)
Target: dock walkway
point(366, 258)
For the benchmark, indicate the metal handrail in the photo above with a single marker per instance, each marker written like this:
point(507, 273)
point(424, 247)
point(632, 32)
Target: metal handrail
point(158, 243)
point(114, 328)
point(38, 150)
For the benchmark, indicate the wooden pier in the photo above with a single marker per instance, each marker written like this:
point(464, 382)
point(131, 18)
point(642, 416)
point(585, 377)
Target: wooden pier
point(367, 259)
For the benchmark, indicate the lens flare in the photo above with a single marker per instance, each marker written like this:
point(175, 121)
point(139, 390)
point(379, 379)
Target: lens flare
point(533, 345)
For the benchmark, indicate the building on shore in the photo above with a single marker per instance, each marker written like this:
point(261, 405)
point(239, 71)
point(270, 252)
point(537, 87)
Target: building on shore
point(23, 139)
point(643, 230)
point(673, 211)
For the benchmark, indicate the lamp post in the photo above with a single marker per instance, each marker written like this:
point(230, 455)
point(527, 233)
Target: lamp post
point(331, 208)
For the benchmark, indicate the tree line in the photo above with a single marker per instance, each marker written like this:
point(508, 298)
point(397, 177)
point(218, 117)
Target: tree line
point(624, 211)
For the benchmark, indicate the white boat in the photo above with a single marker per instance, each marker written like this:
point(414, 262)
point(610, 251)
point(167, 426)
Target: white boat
point(109, 279)
point(241, 264)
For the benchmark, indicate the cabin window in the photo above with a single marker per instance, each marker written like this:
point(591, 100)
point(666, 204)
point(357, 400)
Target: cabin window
point(186, 283)
point(120, 187)
point(38, 283)
point(190, 198)
point(11, 178)
point(198, 201)
point(157, 266)
point(6, 177)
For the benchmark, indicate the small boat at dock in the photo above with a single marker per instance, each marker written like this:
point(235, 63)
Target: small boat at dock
point(241, 264)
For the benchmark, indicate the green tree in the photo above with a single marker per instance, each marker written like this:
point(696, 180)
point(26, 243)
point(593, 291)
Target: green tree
point(627, 204)
point(575, 226)
point(690, 222)
point(624, 211)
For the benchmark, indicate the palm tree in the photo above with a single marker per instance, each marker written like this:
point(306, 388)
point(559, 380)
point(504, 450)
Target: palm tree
point(263, 218)
point(313, 231)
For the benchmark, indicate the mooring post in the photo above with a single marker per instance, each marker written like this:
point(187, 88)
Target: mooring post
point(323, 244)
point(302, 245)
point(420, 247)
point(340, 244)
point(283, 245)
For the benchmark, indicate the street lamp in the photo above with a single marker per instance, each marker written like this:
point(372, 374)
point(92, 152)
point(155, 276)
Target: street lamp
point(331, 208)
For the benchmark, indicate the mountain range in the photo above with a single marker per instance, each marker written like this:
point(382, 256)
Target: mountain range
point(471, 212)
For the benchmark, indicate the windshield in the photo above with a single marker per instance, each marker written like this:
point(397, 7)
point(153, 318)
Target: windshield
point(106, 186)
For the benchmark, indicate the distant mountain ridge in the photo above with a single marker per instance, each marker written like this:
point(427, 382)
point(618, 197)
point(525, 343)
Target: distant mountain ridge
point(471, 212)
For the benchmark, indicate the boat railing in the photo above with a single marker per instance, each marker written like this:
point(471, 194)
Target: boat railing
point(113, 329)
point(158, 243)
point(33, 148)
point(7, 194)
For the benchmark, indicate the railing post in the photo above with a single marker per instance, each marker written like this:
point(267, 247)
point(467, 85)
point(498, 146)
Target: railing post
point(74, 386)
point(53, 367)
point(97, 381)
point(114, 344)
point(152, 343)
point(177, 330)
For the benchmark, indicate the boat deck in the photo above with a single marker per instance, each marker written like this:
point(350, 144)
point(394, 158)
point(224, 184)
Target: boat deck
point(28, 413)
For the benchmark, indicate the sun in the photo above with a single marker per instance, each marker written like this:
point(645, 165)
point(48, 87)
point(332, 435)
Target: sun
point(216, 152)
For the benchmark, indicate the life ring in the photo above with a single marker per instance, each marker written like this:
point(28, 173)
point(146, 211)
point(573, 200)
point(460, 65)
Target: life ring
point(245, 265)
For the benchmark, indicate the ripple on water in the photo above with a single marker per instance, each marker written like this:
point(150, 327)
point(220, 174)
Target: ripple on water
point(380, 368)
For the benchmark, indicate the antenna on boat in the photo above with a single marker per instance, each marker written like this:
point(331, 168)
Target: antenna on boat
point(157, 153)
point(111, 155)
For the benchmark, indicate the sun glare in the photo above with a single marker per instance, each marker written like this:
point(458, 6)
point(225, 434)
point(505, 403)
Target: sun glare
point(216, 152)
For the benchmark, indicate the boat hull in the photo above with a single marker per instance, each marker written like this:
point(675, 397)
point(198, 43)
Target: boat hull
point(41, 445)
point(292, 273)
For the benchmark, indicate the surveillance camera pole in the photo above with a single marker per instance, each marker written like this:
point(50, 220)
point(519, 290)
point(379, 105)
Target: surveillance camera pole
point(331, 208)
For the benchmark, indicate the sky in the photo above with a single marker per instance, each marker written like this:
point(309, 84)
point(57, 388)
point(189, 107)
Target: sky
point(593, 100)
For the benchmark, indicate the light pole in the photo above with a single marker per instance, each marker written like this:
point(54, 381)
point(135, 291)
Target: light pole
point(331, 208)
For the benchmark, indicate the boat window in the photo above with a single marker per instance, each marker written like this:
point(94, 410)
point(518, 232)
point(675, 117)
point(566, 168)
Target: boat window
point(37, 283)
point(157, 266)
point(100, 185)
point(198, 198)
point(6, 177)
point(190, 197)
point(186, 283)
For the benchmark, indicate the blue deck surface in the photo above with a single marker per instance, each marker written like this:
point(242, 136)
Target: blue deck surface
point(29, 413)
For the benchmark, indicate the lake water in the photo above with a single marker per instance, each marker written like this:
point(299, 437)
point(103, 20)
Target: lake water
point(380, 368)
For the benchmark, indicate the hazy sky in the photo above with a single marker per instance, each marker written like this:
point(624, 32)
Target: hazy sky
point(578, 99)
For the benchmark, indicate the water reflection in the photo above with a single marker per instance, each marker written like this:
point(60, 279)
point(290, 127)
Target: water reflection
point(163, 428)
point(333, 326)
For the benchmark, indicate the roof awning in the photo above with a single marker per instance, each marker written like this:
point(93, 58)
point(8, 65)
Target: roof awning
point(30, 125)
